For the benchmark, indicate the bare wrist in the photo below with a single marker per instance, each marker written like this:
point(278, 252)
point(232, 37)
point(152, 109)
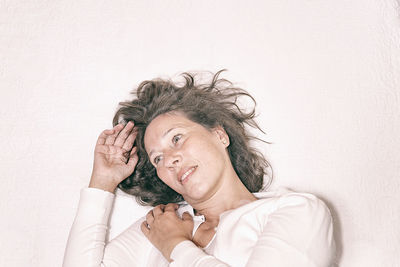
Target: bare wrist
point(103, 186)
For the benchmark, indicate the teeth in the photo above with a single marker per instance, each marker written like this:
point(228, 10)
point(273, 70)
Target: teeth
point(187, 173)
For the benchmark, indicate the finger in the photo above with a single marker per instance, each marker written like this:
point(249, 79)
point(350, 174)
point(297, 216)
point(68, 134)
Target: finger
point(103, 136)
point(111, 138)
point(130, 140)
point(124, 159)
point(186, 216)
point(125, 154)
point(133, 159)
point(144, 228)
point(123, 134)
point(150, 217)
point(171, 207)
point(158, 210)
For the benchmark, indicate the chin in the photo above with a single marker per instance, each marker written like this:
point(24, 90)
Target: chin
point(198, 193)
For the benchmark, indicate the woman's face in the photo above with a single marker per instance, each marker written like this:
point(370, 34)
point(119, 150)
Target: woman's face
point(189, 158)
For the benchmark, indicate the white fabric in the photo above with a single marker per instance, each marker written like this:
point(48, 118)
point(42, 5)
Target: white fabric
point(282, 228)
point(197, 220)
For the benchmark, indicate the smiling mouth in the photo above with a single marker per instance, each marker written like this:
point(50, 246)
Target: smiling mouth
point(187, 174)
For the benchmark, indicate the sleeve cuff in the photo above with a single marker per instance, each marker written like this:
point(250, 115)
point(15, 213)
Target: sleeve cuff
point(95, 205)
point(185, 253)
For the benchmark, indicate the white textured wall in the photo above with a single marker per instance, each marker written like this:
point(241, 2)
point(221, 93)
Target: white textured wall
point(326, 75)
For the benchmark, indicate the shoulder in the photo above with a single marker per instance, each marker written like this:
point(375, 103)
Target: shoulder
point(301, 220)
point(298, 216)
point(289, 202)
point(283, 225)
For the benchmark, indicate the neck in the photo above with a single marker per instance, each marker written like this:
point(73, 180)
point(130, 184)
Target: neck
point(231, 194)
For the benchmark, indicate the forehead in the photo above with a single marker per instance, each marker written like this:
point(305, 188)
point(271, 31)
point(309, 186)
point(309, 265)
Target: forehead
point(163, 123)
point(167, 120)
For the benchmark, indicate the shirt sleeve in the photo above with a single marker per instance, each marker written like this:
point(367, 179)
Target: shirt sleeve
point(298, 233)
point(187, 254)
point(87, 245)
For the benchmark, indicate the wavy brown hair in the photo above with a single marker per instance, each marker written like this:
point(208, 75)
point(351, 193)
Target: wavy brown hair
point(211, 104)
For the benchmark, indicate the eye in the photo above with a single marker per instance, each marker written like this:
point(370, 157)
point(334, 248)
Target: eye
point(157, 159)
point(176, 138)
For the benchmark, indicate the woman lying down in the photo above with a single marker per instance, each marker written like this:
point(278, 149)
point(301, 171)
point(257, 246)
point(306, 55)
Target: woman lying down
point(184, 150)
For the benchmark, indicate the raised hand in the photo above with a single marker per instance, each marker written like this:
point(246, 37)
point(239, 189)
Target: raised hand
point(115, 157)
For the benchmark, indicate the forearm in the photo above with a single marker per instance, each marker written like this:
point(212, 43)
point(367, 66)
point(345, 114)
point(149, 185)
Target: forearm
point(86, 240)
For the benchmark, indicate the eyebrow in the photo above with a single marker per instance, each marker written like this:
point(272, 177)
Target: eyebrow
point(166, 133)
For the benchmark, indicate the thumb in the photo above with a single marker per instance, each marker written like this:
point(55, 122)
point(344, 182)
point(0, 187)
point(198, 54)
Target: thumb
point(186, 216)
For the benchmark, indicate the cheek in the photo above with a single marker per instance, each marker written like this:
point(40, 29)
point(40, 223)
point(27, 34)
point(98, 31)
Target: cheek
point(161, 175)
point(209, 152)
point(164, 176)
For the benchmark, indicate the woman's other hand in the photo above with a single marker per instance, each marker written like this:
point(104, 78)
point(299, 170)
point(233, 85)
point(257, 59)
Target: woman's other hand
point(115, 157)
point(165, 229)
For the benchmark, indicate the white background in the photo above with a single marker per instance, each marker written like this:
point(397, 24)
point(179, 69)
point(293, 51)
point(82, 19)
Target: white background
point(326, 75)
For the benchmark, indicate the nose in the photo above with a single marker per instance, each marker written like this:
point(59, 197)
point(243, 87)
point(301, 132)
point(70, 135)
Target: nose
point(172, 159)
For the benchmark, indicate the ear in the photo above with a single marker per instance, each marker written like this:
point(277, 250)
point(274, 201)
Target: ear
point(221, 135)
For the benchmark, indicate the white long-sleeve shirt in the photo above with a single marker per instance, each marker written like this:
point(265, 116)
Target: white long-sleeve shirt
point(281, 228)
